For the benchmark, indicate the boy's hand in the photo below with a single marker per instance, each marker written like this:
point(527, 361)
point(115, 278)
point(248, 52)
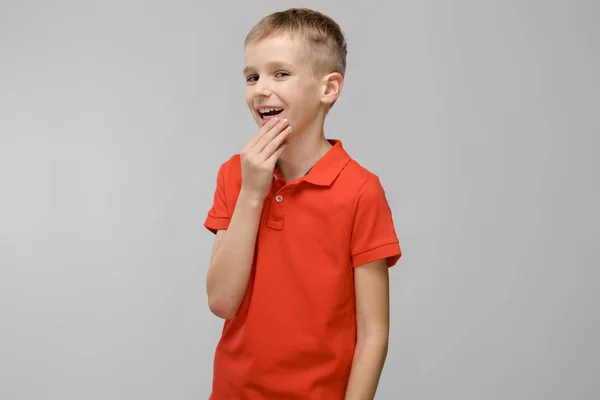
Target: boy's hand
point(259, 156)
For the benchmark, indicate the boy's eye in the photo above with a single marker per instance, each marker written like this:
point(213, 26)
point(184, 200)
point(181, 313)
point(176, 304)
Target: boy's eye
point(254, 78)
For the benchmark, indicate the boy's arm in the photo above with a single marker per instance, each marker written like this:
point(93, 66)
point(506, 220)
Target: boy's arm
point(372, 319)
point(231, 259)
point(233, 248)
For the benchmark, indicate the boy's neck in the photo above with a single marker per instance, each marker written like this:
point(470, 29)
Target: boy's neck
point(304, 151)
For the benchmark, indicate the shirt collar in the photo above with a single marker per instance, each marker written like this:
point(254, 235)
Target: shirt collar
point(324, 172)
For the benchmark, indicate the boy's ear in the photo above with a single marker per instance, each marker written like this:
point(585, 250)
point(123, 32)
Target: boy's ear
point(332, 87)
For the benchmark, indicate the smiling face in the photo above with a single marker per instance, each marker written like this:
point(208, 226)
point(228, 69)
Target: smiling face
point(280, 80)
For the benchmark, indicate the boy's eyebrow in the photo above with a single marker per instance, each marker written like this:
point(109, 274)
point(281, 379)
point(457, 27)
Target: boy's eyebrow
point(270, 65)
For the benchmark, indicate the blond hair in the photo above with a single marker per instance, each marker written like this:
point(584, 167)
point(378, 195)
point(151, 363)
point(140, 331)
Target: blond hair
point(326, 43)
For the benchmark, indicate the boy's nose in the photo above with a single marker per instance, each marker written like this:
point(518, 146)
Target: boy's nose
point(261, 90)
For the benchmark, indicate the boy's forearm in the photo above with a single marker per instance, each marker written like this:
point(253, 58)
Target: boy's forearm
point(369, 358)
point(231, 263)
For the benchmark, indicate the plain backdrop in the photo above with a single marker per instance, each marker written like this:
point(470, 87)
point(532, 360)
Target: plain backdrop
point(480, 117)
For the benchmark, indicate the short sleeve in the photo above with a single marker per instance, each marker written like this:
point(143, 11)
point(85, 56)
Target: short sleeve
point(218, 217)
point(373, 232)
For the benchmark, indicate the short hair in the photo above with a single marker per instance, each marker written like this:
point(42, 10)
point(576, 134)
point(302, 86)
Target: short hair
point(324, 37)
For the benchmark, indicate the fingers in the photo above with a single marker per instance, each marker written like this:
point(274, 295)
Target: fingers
point(276, 143)
point(271, 134)
point(272, 160)
point(262, 131)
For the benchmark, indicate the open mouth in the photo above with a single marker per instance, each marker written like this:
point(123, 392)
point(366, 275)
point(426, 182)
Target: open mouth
point(268, 113)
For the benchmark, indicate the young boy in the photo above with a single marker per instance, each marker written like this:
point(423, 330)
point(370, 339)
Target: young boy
point(304, 234)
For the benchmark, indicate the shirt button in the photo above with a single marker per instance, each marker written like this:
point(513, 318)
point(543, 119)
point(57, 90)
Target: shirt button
point(279, 198)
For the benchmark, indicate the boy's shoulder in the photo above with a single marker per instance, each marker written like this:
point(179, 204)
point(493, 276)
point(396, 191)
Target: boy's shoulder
point(230, 170)
point(358, 173)
point(233, 162)
point(352, 176)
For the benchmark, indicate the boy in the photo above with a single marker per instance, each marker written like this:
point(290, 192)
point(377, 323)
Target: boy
point(304, 234)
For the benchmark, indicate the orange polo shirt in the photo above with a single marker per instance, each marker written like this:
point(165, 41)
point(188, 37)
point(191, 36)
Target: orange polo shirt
point(294, 334)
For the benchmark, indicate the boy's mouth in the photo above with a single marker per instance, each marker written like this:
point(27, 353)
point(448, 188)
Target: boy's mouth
point(266, 113)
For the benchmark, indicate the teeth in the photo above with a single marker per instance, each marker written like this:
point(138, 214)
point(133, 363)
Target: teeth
point(266, 110)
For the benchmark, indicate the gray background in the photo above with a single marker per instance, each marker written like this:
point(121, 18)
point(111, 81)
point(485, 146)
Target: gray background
point(480, 117)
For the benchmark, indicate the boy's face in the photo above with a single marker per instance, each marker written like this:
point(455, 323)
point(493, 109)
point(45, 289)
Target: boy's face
point(279, 74)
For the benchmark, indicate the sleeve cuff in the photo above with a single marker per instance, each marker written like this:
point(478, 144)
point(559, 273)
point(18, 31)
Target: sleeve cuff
point(391, 252)
point(214, 224)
